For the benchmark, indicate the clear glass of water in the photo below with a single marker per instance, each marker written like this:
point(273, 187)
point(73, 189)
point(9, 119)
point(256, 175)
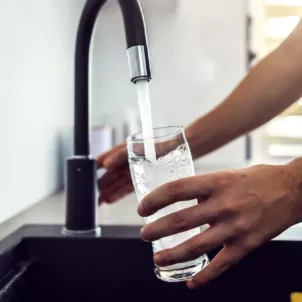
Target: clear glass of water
point(173, 161)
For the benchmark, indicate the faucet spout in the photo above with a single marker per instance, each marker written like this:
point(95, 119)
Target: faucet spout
point(81, 168)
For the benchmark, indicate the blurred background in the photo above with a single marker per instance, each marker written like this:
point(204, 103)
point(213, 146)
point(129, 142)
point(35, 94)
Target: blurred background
point(199, 49)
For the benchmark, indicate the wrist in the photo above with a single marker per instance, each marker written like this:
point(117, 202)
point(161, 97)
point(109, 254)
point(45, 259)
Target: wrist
point(294, 177)
point(192, 142)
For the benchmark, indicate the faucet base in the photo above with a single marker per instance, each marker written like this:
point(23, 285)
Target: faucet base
point(96, 232)
point(81, 195)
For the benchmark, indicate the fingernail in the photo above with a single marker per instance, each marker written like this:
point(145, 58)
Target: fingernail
point(157, 258)
point(143, 235)
point(191, 284)
point(140, 209)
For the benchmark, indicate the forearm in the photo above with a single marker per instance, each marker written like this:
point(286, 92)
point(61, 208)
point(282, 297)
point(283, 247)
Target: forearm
point(273, 85)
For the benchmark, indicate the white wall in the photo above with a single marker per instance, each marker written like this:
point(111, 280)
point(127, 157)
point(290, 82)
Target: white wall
point(198, 55)
point(36, 96)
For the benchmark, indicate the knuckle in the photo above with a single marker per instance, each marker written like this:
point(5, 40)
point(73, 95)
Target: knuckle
point(195, 251)
point(228, 208)
point(225, 179)
point(240, 226)
point(222, 266)
point(174, 188)
point(180, 222)
point(194, 248)
point(250, 245)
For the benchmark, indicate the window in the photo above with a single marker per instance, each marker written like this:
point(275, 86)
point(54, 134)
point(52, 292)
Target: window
point(283, 136)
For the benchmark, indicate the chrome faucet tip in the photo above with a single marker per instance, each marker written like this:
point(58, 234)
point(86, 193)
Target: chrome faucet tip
point(139, 63)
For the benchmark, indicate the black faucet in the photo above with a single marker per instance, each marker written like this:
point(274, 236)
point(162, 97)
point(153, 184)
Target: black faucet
point(82, 168)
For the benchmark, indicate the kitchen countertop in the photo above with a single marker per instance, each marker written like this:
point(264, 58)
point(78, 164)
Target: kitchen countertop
point(52, 211)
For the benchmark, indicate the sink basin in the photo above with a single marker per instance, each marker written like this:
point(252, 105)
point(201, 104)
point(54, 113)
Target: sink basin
point(38, 263)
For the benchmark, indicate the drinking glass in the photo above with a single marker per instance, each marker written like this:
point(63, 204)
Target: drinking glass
point(172, 161)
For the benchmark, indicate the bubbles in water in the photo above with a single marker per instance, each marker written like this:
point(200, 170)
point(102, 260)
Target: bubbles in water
point(148, 176)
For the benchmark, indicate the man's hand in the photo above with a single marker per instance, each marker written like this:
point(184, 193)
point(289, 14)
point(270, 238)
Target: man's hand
point(116, 182)
point(244, 209)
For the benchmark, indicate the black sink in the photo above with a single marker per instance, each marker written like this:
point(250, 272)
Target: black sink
point(37, 263)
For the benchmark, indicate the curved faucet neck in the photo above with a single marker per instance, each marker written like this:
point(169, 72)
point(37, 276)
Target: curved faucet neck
point(139, 64)
point(81, 168)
